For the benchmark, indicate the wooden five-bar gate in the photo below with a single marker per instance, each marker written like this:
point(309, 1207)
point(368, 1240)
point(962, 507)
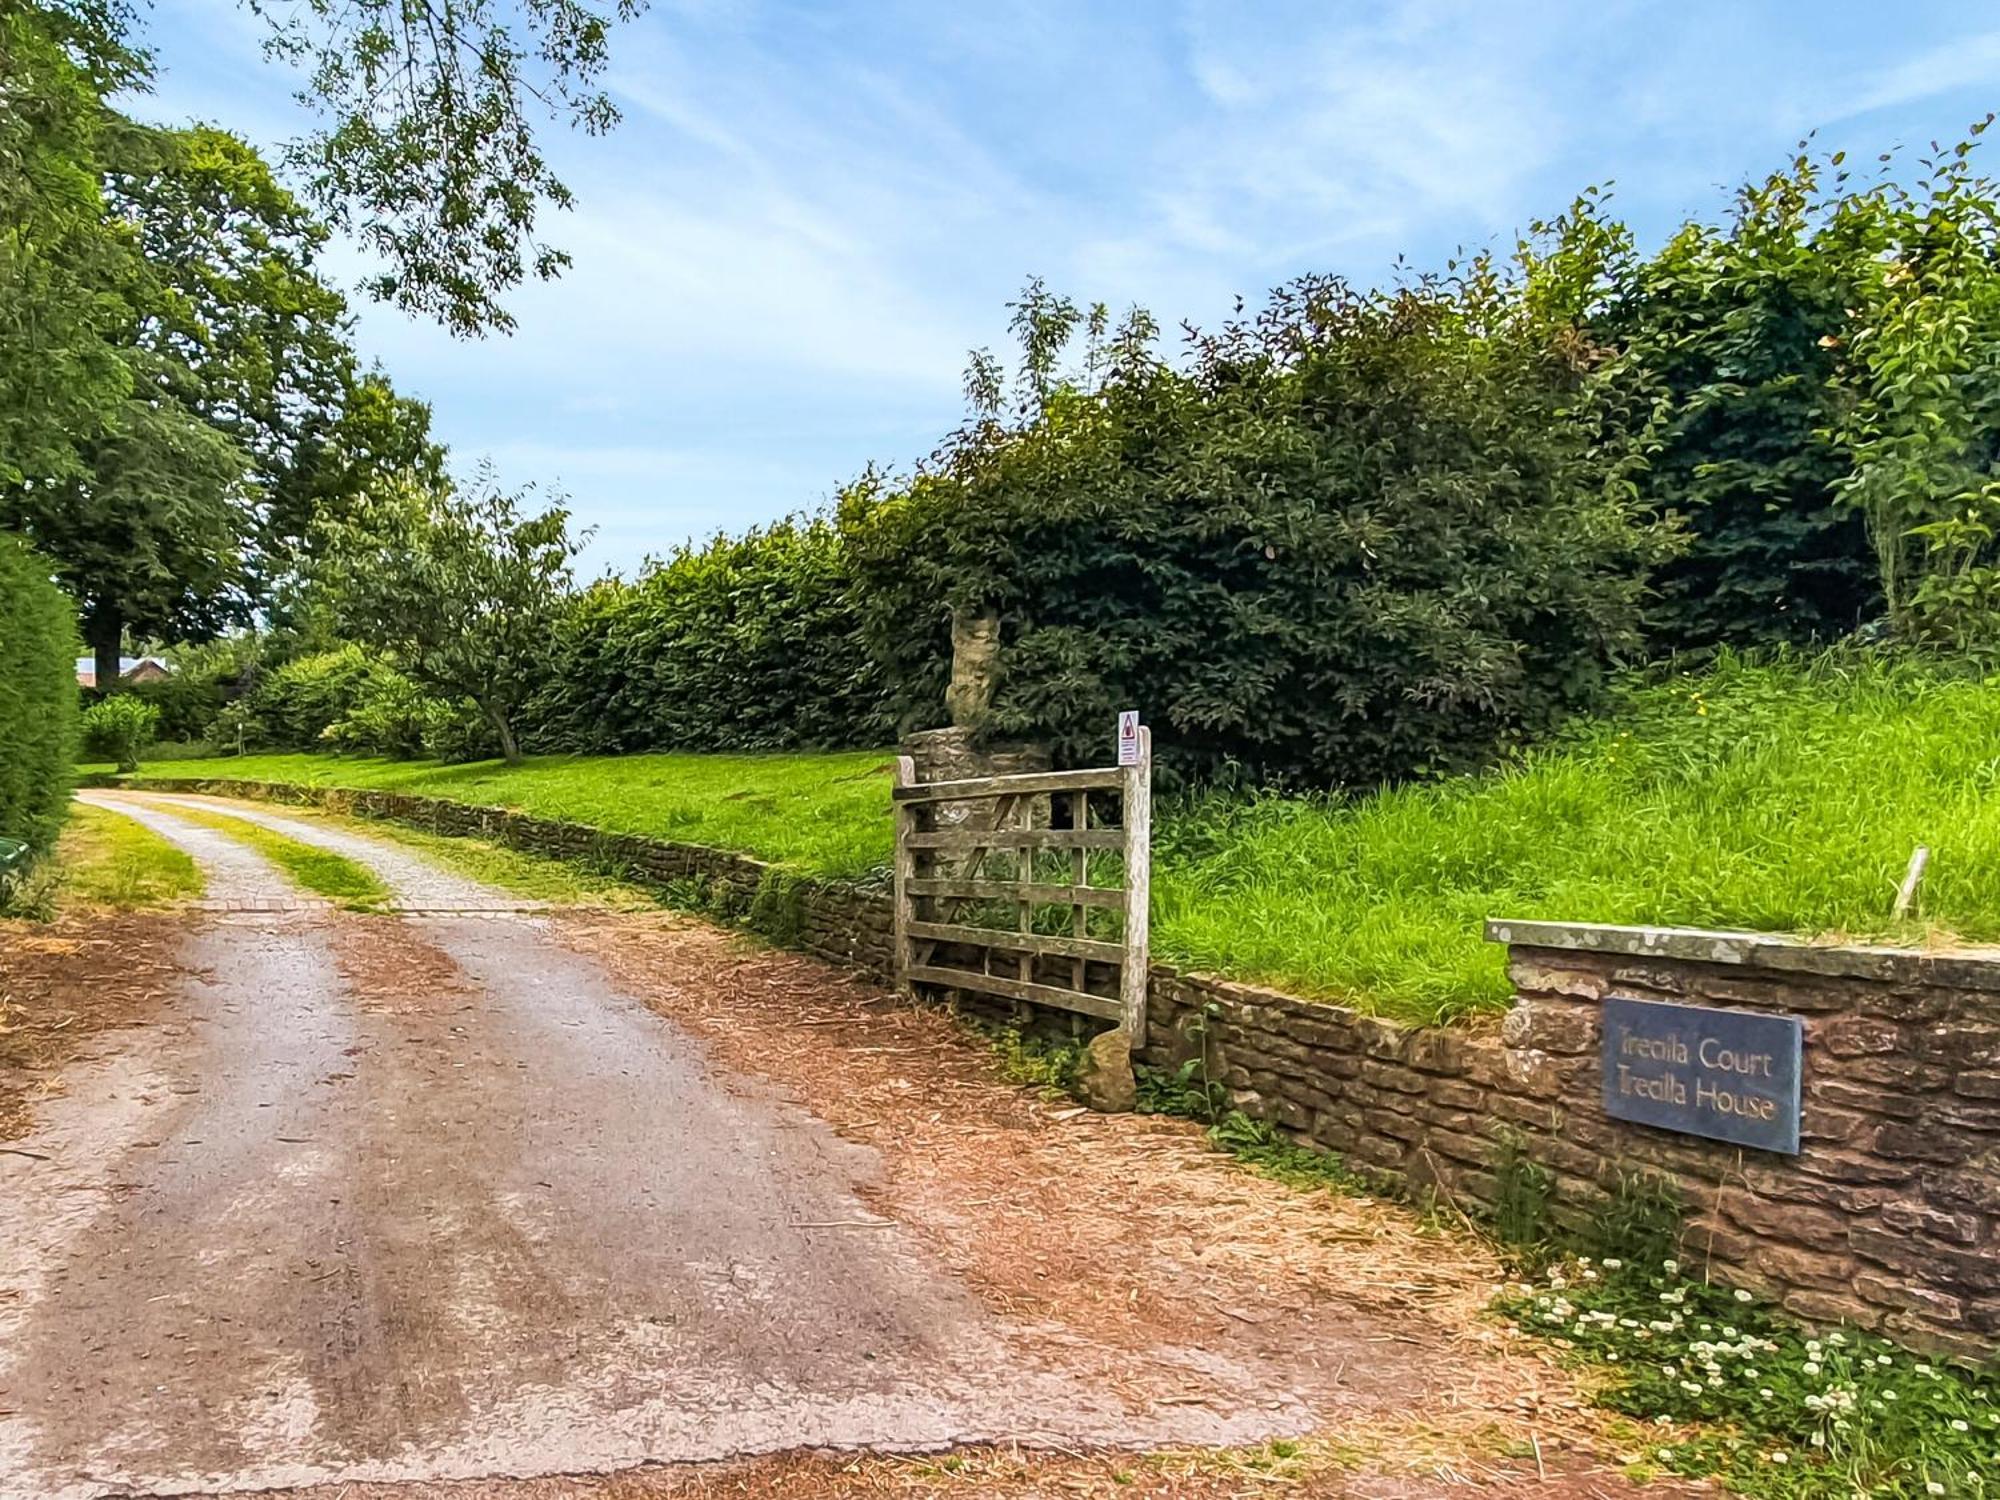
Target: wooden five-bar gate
point(1005, 886)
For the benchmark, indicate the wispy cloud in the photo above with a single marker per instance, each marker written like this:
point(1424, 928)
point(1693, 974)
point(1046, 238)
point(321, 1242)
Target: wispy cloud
point(1965, 62)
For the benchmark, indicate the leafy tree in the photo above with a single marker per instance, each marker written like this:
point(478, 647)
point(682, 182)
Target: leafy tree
point(149, 536)
point(428, 152)
point(340, 450)
point(174, 518)
point(466, 591)
point(1921, 422)
point(119, 728)
point(38, 700)
point(427, 146)
point(62, 262)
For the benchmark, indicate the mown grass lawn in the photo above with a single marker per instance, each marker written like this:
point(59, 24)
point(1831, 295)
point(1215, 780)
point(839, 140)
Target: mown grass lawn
point(828, 814)
point(1784, 798)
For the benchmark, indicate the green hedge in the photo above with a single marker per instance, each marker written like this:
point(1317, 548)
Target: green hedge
point(1362, 537)
point(747, 643)
point(38, 697)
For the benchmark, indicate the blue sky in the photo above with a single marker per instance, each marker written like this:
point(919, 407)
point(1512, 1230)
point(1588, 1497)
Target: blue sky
point(812, 211)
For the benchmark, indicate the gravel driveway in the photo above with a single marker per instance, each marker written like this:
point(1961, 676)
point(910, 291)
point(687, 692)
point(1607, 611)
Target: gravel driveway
point(453, 1194)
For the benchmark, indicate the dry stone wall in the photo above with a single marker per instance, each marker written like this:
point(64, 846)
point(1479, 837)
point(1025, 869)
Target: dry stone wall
point(1889, 1217)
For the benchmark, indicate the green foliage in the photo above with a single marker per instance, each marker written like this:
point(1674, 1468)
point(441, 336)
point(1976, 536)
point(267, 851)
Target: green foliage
point(824, 815)
point(1260, 1146)
point(1523, 1192)
point(533, 876)
point(778, 911)
point(1033, 1061)
point(61, 377)
point(38, 700)
point(1734, 334)
point(350, 700)
point(319, 871)
point(119, 729)
point(747, 643)
point(203, 679)
point(1363, 535)
point(427, 153)
point(1724, 1385)
point(466, 592)
point(109, 861)
point(386, 717)
point(295, 706)
point(1642, 1224)
point(231, 346)
point(1190, 1093)
point(1185, 1091)
point(1687, 803)
point(1922, 427)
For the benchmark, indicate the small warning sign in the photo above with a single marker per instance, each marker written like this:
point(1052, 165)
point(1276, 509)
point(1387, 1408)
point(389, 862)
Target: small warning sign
point(1128, 737)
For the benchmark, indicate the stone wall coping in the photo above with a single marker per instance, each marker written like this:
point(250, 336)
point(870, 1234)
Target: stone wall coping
point(1965, 968)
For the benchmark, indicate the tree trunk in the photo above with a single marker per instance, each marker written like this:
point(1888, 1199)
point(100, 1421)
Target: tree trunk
point(107, 641)
point(510, 751)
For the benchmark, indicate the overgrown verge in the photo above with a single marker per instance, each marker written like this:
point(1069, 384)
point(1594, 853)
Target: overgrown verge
point(1716, 1383)
point(109, 862)
point(104, 862)
point(1719, 1384)
point(1777, 796)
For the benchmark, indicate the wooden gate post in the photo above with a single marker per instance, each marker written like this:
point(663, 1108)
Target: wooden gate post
point(905, 872)
point(1138, 819)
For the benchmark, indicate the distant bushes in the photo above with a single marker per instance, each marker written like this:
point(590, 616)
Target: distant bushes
point(748, 643)
point(119, 728)
point(348, 699)
point(38, 697)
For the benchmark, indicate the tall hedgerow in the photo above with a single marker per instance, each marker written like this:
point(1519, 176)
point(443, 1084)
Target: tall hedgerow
point(746, 643)
point(1359, 536)
point(1736, 332)
point(38, 696)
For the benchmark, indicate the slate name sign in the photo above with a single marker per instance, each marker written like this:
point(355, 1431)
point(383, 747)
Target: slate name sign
point(1729, 1075)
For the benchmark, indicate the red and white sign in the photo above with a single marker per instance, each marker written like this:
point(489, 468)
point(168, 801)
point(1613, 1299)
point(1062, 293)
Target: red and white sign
point(1128, 737)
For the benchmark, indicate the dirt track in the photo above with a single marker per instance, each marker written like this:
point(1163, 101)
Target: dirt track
point(472, 1196)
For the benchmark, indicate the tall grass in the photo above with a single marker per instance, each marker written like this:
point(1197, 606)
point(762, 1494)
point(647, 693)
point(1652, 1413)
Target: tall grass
point(1786, 797)
point(109, 862)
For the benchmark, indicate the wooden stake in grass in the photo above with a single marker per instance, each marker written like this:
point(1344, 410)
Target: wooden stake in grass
point(1906, 893)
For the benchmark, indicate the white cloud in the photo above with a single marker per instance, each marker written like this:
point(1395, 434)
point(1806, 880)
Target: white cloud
point(1961, 63)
